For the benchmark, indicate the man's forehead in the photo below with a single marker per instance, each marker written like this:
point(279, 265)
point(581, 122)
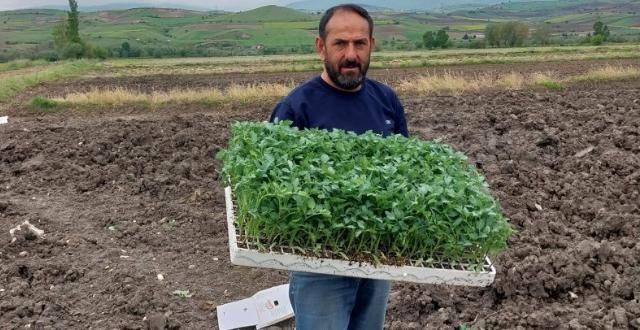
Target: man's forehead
point(347, 22)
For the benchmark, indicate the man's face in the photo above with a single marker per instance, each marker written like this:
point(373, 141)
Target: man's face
point(346, 50)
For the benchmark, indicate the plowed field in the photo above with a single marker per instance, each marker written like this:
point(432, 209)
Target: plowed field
point(125, 195)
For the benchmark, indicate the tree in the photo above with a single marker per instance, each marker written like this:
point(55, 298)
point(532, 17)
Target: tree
point(541, 35)
point(600, 33)
point(600, 29)
point(429, 40)
point(60, 36)
point(442, 38)
point(506, 34)
point(433, 40)
point(73, 22)
point(66, 37)
point(491, 35)
point(125, 49)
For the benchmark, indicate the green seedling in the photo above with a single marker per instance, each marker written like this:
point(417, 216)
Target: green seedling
point(360, 195)
point(182, 293)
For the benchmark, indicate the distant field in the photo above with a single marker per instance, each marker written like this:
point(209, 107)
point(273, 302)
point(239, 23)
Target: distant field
point(17, 76)
point(274, 29)
point(385, 59)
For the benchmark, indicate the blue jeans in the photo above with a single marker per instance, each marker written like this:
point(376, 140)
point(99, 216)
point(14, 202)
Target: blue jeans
point(327, 302)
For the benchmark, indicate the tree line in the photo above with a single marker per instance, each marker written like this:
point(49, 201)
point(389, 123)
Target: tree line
point(511, 34)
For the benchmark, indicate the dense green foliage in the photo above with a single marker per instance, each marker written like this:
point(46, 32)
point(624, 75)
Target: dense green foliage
point(506, 34)
point(600, 34)
point(360, 195)
point(439, 39)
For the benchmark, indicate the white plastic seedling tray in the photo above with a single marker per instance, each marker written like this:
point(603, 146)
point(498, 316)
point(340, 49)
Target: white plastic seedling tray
point(245, 253)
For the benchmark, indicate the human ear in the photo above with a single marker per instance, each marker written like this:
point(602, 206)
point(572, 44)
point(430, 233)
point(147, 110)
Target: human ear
point(320, 48)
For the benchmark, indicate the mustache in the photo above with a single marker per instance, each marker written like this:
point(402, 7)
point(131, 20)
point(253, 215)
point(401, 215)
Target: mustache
point(350, 64)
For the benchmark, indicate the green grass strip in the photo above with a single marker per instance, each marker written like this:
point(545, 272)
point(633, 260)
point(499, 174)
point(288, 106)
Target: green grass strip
point(20, 64)
point(13, 85)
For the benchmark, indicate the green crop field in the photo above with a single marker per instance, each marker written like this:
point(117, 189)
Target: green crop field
point(272, 29)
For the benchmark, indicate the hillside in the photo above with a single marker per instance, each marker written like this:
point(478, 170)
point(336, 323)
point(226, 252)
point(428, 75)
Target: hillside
point(273, 29)
point(267, 14)
point(397, 5)
point(622, 17)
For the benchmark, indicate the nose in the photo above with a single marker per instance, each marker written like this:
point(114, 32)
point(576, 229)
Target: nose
point(350, 53)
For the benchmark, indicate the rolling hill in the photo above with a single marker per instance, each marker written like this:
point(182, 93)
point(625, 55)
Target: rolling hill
point(274, 29)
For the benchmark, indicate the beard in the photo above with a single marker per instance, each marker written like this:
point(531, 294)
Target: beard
point(343, 81)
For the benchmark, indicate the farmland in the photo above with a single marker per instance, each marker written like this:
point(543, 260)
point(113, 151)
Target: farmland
point(158, 32)
point(129, 190)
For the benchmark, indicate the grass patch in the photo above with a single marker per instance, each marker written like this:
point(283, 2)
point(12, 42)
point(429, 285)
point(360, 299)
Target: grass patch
point(511, 81)
point(241, 94)
point(610, 72)
point(547, 80)
point(444, 83)
point(553, 85)
point(13, 85)
point(44, 103)
point(20, 64)
point(451, 83)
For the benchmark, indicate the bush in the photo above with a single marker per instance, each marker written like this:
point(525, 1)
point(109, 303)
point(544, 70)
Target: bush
point(44, 103)
point(597, 39)
point(477, 44)
point(47, 55)
point(98, 52)
point(73, 50)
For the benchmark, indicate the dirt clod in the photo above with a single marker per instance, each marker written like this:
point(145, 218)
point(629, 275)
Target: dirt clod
point(576, 218)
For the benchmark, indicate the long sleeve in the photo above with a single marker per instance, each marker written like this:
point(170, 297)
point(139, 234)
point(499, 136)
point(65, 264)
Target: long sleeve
point(401, 121)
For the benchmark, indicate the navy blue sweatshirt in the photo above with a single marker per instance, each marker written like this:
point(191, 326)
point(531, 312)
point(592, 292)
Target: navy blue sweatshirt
point(316, 104)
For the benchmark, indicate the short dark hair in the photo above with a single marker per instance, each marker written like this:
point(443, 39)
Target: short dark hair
point(322, 28)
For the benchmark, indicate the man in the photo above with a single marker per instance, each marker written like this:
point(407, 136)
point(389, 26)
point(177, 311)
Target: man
point(342, 97)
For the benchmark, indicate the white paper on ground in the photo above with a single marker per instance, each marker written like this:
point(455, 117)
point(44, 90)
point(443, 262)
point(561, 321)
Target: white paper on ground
point(263, 309)
point(4, 120)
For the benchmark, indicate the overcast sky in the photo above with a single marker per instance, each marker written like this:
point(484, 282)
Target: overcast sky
point(211, 4)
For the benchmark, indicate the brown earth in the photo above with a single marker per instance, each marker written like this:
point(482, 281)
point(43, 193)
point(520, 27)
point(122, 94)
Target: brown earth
point(125, 197)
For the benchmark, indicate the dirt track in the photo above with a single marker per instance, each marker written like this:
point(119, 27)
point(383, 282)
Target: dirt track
point(123, 198)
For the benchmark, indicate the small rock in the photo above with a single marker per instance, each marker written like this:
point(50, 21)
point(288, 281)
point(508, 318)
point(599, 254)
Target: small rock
point(413, 326)
point(160, 277)
point(23, 253)
point(620, 315)
point(573, 295)
point(157, 321)
point(583, 152)
point(192, 266)
point(575, 325)
point(547, 140)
